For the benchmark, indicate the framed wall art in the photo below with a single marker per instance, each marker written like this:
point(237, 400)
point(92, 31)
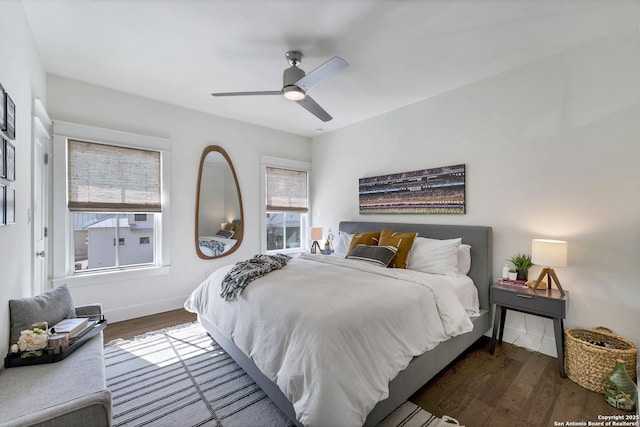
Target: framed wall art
point(11, 117)
point(9, 161)
point(3, 166)
point(3, 109)
point(2, 205)
point(429, 191)
point(10, 205)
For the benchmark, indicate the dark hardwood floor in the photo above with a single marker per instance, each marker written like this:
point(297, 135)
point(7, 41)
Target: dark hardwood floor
point(514, 387)
point(141, 325)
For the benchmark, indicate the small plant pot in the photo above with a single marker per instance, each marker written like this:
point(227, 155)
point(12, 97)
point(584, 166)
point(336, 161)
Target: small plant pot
point(523, 275)
point(513, 276)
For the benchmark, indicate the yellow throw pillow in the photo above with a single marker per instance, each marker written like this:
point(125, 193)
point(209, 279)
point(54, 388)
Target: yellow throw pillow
point(369, 238)
point(402, 241)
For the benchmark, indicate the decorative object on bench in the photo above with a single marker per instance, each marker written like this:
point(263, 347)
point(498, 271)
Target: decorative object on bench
point(72, 392)
point(71, 326)
point(32, 341)
point(29, 344)
point(54, 350)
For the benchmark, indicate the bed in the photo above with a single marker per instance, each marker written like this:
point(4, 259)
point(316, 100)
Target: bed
point(441, 345)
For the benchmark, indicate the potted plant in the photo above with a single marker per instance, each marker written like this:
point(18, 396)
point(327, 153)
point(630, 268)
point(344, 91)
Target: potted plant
point(513, 274)
point(522, 263)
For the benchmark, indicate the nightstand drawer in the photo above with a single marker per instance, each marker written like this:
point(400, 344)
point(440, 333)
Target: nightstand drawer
point(529, 302)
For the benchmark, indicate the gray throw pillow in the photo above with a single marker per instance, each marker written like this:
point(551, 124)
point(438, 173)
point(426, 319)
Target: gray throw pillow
point(227, 234)
point(379, 255)
point(50, 307)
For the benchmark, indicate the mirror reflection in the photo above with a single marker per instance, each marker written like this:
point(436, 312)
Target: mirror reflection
point(219, 217)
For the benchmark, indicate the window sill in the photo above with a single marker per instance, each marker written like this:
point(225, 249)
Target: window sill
point(97, 278)
point(290, 252)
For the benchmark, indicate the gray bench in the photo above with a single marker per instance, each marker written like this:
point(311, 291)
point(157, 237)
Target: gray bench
point(71, 392)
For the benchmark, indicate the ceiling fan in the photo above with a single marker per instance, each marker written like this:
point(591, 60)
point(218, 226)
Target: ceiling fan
point(295, 84)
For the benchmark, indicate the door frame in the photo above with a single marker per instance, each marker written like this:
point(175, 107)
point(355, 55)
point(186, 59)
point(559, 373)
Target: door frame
point(41, 131)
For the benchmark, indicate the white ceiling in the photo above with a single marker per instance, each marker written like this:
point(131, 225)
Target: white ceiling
point(399, 51)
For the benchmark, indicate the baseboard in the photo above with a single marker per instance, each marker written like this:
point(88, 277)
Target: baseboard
point(145, 309)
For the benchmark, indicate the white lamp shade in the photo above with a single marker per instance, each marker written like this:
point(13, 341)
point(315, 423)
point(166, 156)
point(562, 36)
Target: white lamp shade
point(316, 233)
point(549, 253)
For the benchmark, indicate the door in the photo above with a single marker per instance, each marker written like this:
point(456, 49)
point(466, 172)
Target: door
point(40, 201)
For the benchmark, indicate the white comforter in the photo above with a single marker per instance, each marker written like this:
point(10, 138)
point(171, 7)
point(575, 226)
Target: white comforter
point(331, 332)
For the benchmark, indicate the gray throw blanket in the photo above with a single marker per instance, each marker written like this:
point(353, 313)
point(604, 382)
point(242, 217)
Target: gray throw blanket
point(216, 247)
point(247, 271)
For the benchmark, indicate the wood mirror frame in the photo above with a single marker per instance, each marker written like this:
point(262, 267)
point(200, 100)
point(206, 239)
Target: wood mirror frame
point(237, 228)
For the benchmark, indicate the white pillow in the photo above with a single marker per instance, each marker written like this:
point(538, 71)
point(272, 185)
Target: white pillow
point(341, 244)
point(464, 258)
point(434, 256)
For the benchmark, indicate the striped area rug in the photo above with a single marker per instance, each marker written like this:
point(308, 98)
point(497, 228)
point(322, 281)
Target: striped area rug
point(180, 377)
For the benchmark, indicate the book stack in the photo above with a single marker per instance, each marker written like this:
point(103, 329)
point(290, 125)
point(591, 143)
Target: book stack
point(75, 327)
point(515, 283)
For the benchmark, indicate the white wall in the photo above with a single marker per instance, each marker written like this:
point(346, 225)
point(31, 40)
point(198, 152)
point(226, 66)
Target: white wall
point(190, 132)
point(23, 77)
point(551, 150)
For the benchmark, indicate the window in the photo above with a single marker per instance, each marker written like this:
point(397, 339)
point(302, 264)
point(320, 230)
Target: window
point(104, 239)
point(286, 205)
point(115, 180)
point(115, 186)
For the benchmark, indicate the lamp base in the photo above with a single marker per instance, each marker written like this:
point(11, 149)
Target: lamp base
point(315, 247)
point(551, 277)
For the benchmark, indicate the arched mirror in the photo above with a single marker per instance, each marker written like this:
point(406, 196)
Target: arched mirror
point(219, 217)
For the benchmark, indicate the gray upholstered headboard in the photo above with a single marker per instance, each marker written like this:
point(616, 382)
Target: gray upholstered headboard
point(479, 237)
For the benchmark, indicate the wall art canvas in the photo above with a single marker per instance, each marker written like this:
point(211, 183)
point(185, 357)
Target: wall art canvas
point(3, 166)
point(2, 205)
point(3, 109)
point(429, 191)
point(11, 117)
point(10, 203)
point(9, 161)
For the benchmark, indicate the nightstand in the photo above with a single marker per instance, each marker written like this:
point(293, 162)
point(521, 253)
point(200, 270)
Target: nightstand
point(545, 303)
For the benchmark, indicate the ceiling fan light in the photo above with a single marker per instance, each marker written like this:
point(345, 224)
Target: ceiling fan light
point(293, 93)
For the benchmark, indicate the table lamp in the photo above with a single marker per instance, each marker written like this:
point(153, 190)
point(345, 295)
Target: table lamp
point(549, 253)
point(316, 234)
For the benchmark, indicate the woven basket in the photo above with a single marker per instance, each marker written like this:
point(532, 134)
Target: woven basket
point(587, 364)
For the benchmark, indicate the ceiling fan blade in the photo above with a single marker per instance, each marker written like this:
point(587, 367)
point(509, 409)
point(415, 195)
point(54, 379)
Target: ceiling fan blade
point(264, 92)
point(322, 73)
point(312, 106)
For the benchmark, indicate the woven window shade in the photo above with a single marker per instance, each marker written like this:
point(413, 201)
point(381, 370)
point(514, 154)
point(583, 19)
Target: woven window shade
point(107, 178)
point(286, 190)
